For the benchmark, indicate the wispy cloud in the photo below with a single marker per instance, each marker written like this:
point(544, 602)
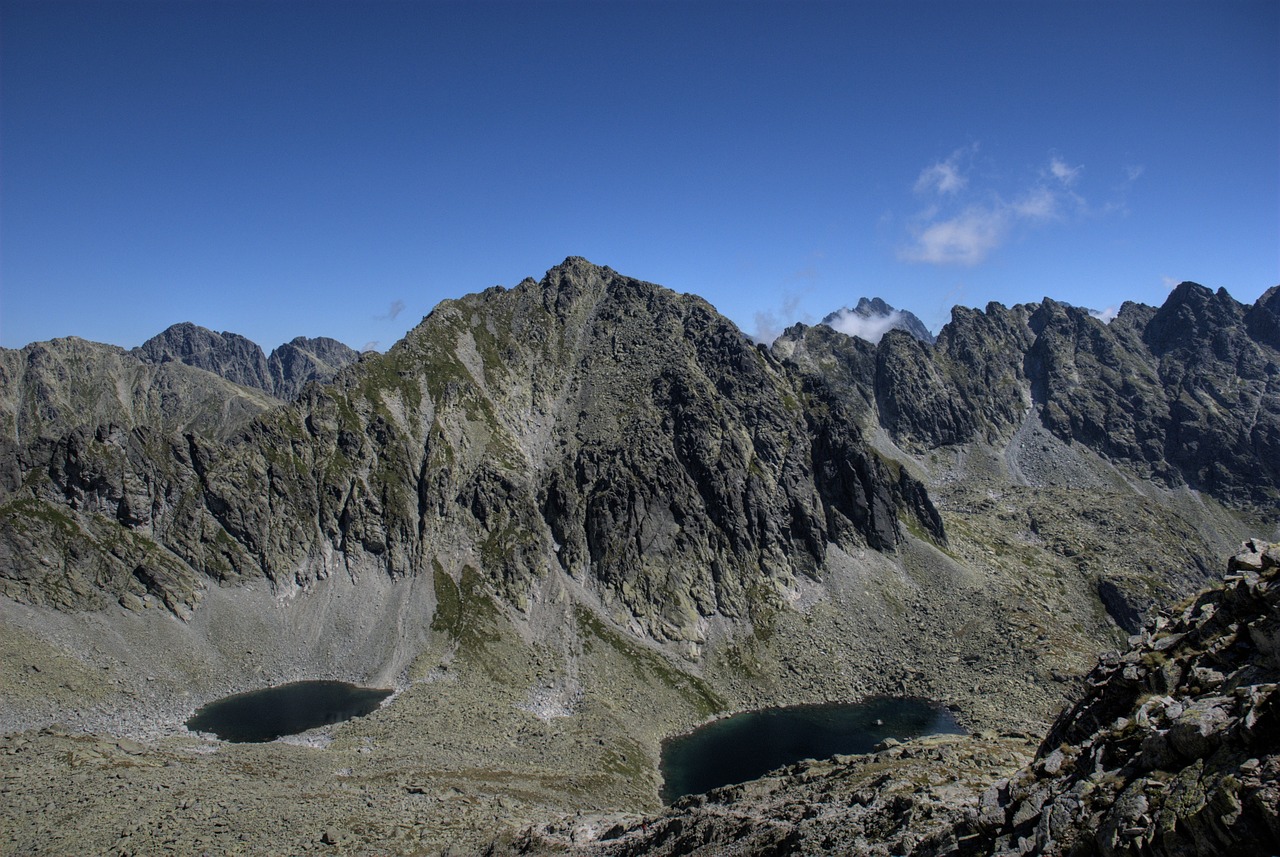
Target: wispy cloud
point(397, 307)
point(1038, 203)
point(1119, 201)
point(870, 328)
point(770, 323)
point(1064, 172)
point(1105, 315)
point(962, 226)
point(964, 239)
point(946, 176)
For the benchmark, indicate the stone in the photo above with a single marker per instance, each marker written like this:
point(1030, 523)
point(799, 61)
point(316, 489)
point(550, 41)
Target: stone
point(1197, 731)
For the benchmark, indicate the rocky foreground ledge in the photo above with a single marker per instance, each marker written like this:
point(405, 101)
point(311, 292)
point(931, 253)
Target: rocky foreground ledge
point(1172, 749)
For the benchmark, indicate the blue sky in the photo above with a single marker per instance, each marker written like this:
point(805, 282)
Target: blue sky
point(336, 169)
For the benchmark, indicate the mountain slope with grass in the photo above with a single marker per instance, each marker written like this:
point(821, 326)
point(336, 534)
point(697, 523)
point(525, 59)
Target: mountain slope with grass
point(568, 519)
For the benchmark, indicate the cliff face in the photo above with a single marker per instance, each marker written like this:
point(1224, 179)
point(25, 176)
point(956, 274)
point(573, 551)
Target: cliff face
point(231, 356)
point(625, 434)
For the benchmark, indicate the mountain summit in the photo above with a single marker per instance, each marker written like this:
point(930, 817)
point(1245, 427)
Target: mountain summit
point(871, 318)
point(242, 361)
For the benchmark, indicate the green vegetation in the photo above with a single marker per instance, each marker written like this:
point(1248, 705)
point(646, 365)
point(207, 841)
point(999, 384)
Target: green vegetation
point(467, 613)
point(649, 665)
point(627, 759)
point(13, 514)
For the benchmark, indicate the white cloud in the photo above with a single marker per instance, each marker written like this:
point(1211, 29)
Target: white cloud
point(963, 227)
point(1064, 172)
point(1105, 315)
point(965, 239)
point(944, 177)
point(869, 328)
point(1039, 203)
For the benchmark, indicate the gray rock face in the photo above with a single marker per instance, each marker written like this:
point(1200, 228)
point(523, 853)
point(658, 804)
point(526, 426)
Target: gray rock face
point(48, 389)
point(229, 355)
point(626, 434)
point(302, 360)
point(1188, 393)
point(283, 375)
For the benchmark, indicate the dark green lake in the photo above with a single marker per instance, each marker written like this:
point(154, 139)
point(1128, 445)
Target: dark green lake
point(748, 745)
point(265, 715)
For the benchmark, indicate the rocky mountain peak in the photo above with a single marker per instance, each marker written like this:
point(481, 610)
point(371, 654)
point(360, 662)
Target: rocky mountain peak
point(1189, 315)
point(871, 318)
point(304, 359)
point(240, 360)
point(229, 355)
point(574, 280)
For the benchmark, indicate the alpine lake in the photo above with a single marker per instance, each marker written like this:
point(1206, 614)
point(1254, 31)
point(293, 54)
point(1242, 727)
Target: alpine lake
point(746, 746)
point(264, 715)
point(733, 749)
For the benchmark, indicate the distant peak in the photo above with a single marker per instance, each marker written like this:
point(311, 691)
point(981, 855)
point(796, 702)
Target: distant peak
point(872, 318)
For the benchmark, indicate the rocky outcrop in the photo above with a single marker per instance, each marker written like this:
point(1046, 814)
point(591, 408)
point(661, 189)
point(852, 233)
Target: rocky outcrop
point(239, 360)
point(1174, 747)
point(871, 806)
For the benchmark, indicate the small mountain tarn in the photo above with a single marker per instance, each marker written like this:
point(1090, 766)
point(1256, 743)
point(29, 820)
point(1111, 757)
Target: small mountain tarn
point(265, 715)
point(745, 746)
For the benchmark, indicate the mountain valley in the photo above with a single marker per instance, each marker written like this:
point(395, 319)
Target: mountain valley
point(569, 519)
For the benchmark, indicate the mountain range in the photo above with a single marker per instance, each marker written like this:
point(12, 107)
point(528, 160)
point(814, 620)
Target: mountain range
point(549, 503)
